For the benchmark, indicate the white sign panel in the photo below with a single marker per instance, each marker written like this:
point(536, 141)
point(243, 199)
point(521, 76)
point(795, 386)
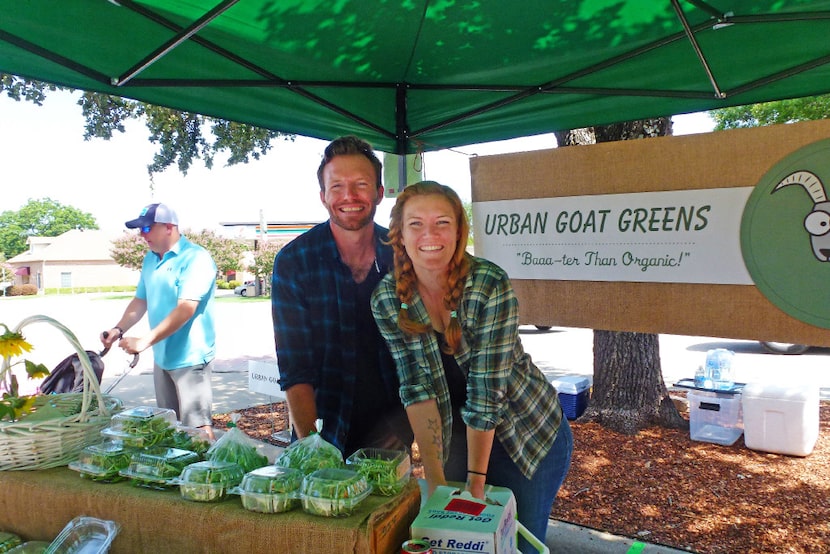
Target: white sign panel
point(689, 236)
point(263, 377)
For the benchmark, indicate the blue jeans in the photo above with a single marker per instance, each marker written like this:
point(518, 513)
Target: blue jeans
point(534, 497)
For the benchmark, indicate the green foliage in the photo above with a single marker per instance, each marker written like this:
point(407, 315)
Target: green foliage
point(18, 89)
point(180, 135)
point(233, 283)
point(129, 250)
point(468, 209)
point(222, 284)
point(83, 290)
point(263, 265)
point(42, 218)
point(227, 253)
point(772, 113)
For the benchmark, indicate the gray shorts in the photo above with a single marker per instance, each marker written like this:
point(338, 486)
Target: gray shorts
point(187, 391)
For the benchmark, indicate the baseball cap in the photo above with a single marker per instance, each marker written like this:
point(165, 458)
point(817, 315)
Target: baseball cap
point(154, 213)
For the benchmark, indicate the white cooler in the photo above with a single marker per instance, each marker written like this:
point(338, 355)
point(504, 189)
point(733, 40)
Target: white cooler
point(781, 419)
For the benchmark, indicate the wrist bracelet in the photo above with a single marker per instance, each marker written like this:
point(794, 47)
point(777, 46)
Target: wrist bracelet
point(120, 331)
point(476, 472)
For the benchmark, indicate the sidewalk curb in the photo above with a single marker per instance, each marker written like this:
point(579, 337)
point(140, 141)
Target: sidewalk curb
point(566, 538)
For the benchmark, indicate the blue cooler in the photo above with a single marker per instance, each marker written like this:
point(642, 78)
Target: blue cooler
point(574, 391)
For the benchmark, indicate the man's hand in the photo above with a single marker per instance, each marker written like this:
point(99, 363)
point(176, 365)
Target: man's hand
point(110, 336)
point(134, 345)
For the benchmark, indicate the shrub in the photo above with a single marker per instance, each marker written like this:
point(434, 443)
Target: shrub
point(21, 290)
point(222, 285)
point(29, 289)
point(234, 283)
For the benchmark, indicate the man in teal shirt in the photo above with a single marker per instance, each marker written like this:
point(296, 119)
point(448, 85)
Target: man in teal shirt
point(176, 288)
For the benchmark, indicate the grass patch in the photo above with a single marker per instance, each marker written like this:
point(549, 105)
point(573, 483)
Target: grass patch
point(245, 299)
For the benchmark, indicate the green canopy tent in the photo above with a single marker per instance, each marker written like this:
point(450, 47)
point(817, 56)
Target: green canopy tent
point(420, 75)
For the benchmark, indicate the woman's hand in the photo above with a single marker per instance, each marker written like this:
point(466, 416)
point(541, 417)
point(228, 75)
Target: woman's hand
point(475, 485)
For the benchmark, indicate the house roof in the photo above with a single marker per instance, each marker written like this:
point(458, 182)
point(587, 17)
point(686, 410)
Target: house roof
point(77, 245)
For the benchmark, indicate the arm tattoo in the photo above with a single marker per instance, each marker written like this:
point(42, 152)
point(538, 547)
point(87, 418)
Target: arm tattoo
point(434, 426)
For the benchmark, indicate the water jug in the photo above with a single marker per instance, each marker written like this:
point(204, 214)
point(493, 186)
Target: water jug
point(719, 368)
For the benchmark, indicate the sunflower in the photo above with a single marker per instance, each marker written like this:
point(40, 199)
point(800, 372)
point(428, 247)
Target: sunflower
point(12, 343)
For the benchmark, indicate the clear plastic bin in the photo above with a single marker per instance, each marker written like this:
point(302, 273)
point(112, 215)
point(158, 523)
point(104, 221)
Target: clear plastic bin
point(102, 462)
point(142, 427)
point(333, 492)
point(387, 471)
point(158, 467)
point(209, 481)
point(715, 417)
point(270, 489)
point(85, 535)
point(9, 541)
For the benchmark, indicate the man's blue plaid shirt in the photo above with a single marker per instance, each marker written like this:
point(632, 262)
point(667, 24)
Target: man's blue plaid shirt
point(315, 327)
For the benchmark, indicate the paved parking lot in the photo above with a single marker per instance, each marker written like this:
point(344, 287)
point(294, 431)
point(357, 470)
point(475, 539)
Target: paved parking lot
point(244, 333)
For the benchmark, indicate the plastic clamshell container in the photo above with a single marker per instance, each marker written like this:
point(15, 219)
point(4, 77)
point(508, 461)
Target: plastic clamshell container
point(158, 467)
point(781, 419)
point(387, 471)
point(209, 481)
point(270, 489)
point(102, 462)
point(85, 535)
point(333, 492)
point(143, 426)
point(9, 541)
point(189, 438)
point(29, 547)
point(715, 417)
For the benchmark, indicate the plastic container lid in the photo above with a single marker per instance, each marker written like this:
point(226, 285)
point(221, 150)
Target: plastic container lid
point(85, 535)
point(571, 384)
point(9, 541)
point(103, 461)
point(333, 492)
point(387, 471)
point(29, 547)
point(793, 393)
point(158, 466)
point(270, 489)
point(208, 481)
point(144, 426)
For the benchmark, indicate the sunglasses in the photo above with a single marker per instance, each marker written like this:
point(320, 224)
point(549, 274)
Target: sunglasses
point(146, 229)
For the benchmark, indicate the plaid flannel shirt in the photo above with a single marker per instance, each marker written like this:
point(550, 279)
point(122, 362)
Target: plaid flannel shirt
point(315, 328)
point(505, 390)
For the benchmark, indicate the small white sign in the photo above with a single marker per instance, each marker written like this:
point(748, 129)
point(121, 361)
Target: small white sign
point(687, 236)
point(263, 378)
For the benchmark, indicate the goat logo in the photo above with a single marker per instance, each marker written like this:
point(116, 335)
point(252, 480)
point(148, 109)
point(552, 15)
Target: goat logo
point(817, 222)
point(785, 233)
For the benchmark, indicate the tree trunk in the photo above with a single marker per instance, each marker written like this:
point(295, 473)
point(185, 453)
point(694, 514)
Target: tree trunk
point(628, 392)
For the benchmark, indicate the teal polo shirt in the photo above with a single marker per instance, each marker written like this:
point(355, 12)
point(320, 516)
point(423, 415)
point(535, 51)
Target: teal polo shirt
point(185, 272)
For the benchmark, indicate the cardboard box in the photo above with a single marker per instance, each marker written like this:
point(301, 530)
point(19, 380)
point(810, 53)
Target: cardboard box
point(715, 416)
point(454, 522)
point(574, 391)
point(781, 419)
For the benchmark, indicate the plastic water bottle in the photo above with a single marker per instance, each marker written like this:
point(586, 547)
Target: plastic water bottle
point(719, 368)
point(700, 377)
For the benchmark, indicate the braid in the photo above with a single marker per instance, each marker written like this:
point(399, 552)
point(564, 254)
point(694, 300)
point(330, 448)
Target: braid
point(457, 277)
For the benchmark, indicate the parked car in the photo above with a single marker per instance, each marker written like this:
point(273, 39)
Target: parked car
point(785, 347)
point(242, 289)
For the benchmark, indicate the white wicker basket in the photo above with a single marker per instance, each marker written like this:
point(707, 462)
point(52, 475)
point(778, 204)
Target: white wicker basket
point(70, 422)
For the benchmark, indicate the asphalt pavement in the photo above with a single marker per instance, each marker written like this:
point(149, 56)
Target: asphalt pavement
point(244, 334)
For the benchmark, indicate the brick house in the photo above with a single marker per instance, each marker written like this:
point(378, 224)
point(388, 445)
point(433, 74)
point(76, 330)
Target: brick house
point(75, 259)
